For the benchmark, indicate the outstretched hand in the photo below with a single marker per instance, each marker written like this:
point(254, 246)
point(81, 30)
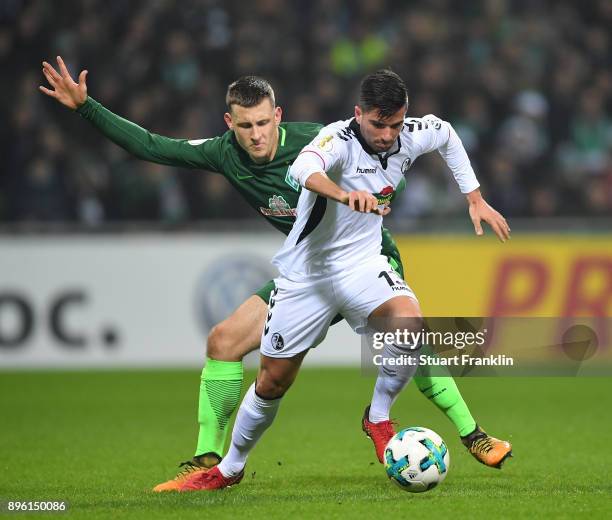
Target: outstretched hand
point(65, 90)
point(480, 210)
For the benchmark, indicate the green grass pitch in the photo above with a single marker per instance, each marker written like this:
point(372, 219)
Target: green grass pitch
point(102, 440)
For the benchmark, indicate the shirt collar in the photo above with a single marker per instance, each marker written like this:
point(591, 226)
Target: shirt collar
point(383, 157)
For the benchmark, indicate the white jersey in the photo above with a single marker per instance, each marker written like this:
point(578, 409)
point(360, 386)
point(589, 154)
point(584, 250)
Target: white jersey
point(328, 236)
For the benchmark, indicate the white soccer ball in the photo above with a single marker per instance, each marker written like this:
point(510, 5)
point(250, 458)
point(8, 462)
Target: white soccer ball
point(416, 459)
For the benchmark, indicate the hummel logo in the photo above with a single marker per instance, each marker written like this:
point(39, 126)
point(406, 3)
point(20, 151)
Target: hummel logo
point(365, 170)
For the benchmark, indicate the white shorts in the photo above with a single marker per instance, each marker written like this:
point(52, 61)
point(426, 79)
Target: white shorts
point(299, 313)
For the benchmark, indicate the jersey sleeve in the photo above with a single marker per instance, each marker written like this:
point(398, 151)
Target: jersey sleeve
point(431, 133)
point(202, 153)
point(325, 154)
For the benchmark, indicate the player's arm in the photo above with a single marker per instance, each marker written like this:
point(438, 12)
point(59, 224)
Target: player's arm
point(309, 170)
point(129, 136)
point(361, 201)
point(441, 135)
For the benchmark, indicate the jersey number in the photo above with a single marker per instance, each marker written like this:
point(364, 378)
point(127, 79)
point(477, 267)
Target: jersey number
point(385, 275)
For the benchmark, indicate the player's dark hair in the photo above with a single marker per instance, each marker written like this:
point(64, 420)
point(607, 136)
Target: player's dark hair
point(248, 91)
point(384, 91)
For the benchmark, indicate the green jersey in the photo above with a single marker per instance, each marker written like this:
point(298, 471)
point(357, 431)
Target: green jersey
point(267, 188)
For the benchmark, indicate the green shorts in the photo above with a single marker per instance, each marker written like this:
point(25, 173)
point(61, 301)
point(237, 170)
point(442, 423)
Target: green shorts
point(389, 249)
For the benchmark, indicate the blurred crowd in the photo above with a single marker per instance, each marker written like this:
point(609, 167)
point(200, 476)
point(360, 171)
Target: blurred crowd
point(526, 84)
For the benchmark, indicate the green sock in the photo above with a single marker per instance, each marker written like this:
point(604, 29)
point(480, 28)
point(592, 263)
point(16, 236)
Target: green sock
point(445, 395)
point(220, 389)
point(443, 392)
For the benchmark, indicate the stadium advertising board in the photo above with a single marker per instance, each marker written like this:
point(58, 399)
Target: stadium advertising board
point(150, 300)
point(534, 275)
point(115, 301)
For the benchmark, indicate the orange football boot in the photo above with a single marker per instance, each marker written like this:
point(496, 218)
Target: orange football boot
point(201, 463)
point(488, 450)
point(210, 480)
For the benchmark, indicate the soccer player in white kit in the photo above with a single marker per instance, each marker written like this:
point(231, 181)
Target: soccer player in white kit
point(330, 263)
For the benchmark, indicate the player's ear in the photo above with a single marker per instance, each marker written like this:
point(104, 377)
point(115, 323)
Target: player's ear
point(278, 115)
point(228, 120)
point(358, 114)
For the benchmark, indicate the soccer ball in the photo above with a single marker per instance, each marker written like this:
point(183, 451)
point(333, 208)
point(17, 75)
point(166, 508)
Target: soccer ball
point(416, 459)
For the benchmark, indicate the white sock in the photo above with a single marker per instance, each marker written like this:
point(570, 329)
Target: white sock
point(254, 416)
point(390, 382)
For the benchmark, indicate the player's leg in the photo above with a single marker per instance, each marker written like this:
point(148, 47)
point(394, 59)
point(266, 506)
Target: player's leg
point(259, 408)
point(392, 376)
point(442, 391)
point(255, 415)
point(221, 382)
point(222, 376)
point(298, 317)
point(372, 294)
point(486, 449)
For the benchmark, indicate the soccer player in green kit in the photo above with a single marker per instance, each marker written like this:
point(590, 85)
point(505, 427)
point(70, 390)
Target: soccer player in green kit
point(254, 156)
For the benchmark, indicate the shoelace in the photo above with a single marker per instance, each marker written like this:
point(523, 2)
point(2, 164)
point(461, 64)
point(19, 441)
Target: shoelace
point(188, 467)
point(483, 444)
